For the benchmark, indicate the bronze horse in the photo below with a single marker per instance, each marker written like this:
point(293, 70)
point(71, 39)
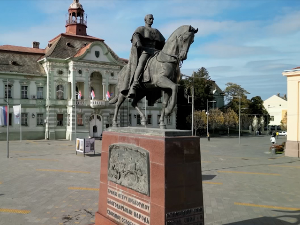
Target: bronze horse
point(164, 72)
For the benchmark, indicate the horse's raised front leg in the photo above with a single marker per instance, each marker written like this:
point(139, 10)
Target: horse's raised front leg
point(134, 105)
point(164, 82)
point(166, 98)
point(121, 99)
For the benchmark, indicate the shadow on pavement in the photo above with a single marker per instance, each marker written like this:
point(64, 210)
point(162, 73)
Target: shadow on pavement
point(241, 166)
point(208, 177)
point(92, 155)
point(295, 219)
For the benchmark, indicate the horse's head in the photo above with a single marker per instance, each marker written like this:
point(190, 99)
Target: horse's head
point(184, 42)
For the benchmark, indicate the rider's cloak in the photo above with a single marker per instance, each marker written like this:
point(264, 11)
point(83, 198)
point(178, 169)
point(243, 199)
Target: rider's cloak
point(145, 35)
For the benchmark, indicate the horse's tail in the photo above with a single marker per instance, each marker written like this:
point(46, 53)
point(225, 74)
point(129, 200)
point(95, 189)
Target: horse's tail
point(114, 100)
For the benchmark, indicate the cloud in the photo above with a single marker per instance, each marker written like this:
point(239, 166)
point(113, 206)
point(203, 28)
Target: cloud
point(270, 65)
point(224, 51)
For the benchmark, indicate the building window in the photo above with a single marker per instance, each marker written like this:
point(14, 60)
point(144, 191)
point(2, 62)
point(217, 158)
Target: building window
point(149, 119)
point(79, 120)
point(138, 119)
point(272, 118)
point(40, 92)
point(39, 119)
point(129, 119)
point(24, 119)
point(60, 119)
point(169, 120)
point(24, 92)
point(59, 92)
point(7, 89)
point(158, 118)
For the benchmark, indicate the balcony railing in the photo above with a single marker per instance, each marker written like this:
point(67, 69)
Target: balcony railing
point(93, 103)
point(76, 21)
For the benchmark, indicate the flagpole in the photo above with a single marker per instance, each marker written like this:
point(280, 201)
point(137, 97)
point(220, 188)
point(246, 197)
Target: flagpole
point(7, 120)
point(20, 121)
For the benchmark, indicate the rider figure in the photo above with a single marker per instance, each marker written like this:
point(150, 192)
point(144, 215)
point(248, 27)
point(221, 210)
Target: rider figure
point(147, 40)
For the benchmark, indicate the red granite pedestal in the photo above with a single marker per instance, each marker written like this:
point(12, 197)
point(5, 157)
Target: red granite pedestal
point(175, 182)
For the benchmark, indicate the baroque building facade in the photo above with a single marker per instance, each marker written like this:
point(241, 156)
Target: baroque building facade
point(54, 86)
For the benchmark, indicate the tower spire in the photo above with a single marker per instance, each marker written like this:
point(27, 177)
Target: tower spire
point(77, 19)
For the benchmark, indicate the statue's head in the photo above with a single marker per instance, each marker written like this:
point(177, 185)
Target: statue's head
point(149, 19)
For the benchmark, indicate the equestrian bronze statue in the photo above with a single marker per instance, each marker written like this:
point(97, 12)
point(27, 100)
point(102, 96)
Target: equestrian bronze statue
point(160, 71)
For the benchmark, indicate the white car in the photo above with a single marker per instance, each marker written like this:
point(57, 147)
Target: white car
point(282, 133)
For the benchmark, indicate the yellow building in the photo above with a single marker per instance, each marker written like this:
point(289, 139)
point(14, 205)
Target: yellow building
point(293, 107)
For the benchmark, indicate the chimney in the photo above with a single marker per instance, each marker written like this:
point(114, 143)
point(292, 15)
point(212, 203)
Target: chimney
point(284, 97)
point(278, 94)
point(36, 44)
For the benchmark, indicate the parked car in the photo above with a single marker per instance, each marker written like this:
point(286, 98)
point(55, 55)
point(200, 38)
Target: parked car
point(282, 133)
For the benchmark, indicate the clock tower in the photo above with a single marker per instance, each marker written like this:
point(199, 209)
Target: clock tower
point(77, 19)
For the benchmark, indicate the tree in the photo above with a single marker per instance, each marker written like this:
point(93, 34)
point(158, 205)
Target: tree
point(199, 120)
point(231, 92)
point(215, 118)
point(202, 84)
point(283, 122)
point(256, 106)
point(233, 89)
point(230, 118)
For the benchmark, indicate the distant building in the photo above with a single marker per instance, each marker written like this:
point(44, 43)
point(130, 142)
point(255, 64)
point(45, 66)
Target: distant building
point(50, 82)
point(277, 108)
point(293, 108)
point(218, 96)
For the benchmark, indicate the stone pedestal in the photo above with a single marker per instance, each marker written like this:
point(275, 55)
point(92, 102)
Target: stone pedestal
point(292, 148)
point(150, 176)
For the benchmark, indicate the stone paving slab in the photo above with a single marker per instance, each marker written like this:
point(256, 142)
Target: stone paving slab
point(243, 184)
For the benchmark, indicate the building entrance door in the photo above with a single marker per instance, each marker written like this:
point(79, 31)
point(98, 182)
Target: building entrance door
point(95, 126)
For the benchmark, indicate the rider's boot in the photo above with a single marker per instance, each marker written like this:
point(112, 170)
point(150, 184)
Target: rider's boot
point(135, 83)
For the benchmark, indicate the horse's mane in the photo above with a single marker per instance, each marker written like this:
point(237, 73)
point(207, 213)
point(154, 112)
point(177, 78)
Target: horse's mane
point(179, 31)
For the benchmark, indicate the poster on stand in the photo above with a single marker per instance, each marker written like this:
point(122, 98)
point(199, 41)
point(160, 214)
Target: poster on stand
point(79, 145)
point(89, 145)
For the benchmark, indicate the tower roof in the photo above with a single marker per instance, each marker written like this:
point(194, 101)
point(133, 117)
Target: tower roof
point(75, 5)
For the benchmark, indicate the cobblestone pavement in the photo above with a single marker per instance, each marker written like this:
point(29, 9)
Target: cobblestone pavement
point(45, 182)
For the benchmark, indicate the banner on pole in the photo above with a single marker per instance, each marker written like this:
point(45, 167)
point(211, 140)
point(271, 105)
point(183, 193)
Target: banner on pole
point(3, 115)
point(17, 113)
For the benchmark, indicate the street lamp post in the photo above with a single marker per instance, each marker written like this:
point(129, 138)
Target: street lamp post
point(207, 114)
point(239, 118)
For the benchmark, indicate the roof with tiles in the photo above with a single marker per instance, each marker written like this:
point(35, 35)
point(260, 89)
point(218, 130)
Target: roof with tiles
point(22, 49)
point(20, 62)
point(65, 46)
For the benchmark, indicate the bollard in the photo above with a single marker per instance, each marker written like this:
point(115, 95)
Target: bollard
point(273, 150)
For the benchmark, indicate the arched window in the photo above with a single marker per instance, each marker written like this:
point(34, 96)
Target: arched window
point(59, 92)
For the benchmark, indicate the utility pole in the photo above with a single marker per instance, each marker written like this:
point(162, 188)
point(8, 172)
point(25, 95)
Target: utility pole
point(7, 119)
point(206, 117)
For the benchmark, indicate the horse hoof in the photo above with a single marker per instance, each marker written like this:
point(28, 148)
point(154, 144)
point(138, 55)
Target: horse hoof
point(162, 126)
point(143, 122)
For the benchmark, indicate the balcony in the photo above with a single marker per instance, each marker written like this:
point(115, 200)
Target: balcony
point(95, 104)
point(98, 103)
point(76, 21)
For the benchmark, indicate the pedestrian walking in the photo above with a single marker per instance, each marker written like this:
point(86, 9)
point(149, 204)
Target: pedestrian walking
point(277, 134)
point(208, 137)
point(273, 140)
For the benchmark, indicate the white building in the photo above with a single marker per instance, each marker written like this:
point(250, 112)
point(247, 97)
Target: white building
point(46, 82)
point(277, 108)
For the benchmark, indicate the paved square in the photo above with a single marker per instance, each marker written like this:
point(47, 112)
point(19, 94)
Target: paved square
point(45, 182)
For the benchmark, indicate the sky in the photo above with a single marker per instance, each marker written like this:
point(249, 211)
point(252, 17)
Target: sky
point(247, 42)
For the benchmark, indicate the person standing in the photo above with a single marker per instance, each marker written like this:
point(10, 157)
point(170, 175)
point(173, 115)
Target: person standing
point(273, 140)
point(277, 134)
point(208, 137)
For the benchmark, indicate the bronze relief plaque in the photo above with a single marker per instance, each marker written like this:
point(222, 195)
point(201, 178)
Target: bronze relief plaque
point(129, 166)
